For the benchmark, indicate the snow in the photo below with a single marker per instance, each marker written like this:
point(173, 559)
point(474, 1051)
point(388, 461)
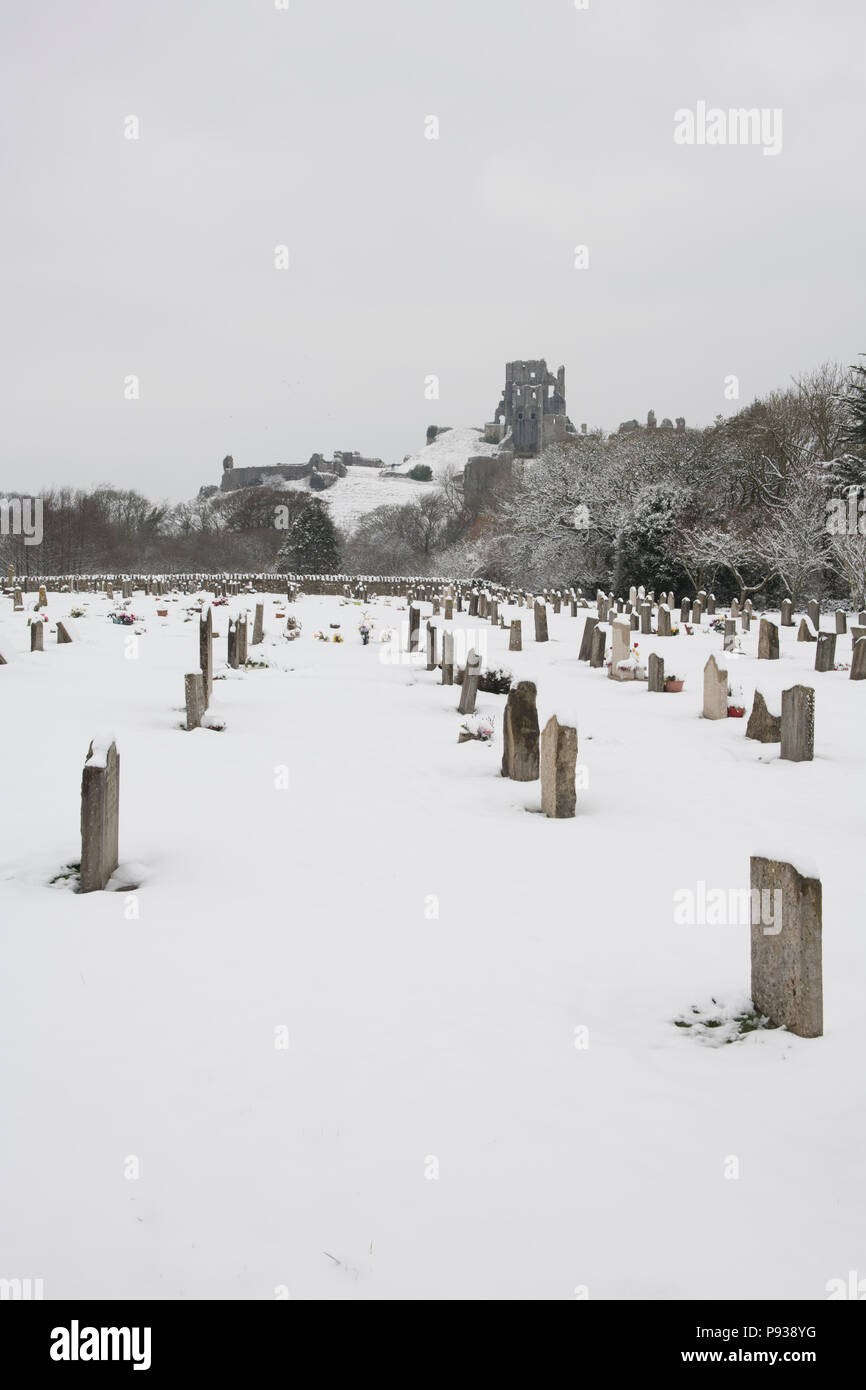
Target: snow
point(432, 947)
point(364, 489)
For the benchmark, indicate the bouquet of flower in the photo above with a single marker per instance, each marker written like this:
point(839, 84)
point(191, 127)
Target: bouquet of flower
point(478, 727)
point(338, 637)
point(320, 636)
point(736, 703)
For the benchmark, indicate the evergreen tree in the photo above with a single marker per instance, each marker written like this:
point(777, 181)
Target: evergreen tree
point(312, 544)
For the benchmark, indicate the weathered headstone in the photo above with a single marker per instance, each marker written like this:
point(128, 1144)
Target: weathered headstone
point(194, 697)
point(589, 626)
point(205, 651)
point(62, 634)
point(697, 612)
point(449, 609)
point(520, 734)
point(259, 625)
point(715, 691)
point(730, 634)
point(515, 635)
point(787, 613)
point(621, 638)
point(598, 646)
point(646, 613)
point(663, 621)
point(686, 611)
point(768, 641)
point(735, 608)
point(841, 621)
point(469, 690)
point(37, 635)
point(540, 620)
point(858, 660)
point(447, 657)
point(558, 763)
point(415, 625)
point(825, 652)
point(656, 675)
point(806, 631)
point(763, 726)
point(813, 608)
point(711, 605)
point(787, 979)
point(798, 724)
point(233, 656)
point(100, 796)
point(431, 646)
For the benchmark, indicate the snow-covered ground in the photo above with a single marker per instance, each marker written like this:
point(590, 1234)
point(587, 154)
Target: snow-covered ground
point(432, 948)
point(364, 489)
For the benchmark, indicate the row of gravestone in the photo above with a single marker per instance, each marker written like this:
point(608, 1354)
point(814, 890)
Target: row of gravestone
point(198, 685)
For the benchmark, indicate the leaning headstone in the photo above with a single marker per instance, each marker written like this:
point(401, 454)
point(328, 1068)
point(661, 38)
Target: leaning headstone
point(656, 675)
point(194, 697)
point(520, 734)
point(62, 634)
point(768, 641)
point(599, 646)
point(471, 677)
point(858, 660)
point(259, 624)
point(100, 786)
point(515, 635)
point(798, 724)
point(558, 763)
point(447, 657)
point(37, 636)
point(715, 691)
point(806, 631)
point(540, 620)
point(787, 983)
point(825, 652)
point(763, 726)
point(787, 613)
point(589, 626)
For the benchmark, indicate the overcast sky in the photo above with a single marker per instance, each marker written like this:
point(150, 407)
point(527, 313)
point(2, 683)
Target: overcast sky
point(408, 257)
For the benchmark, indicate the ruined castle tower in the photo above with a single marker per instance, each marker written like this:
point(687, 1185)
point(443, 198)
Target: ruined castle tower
point(532, 410)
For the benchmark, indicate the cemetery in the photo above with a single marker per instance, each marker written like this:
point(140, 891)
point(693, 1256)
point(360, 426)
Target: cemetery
point(351, 881)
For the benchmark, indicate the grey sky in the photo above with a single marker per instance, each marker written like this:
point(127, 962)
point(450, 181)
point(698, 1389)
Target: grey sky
point(408, 256)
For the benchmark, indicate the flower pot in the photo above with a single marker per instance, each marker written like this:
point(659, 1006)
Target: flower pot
point(162, 612)
point(735, 712)
point(671, 687)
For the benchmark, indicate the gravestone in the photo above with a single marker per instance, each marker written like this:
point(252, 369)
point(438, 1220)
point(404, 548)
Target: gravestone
point(634, 622)
point(813, 608)
point(663, 622)
point(656, 681)
point(798, 724)
point(431, 646)
point(18, 602)
point(558, 763)
point(697, 612)
point(858, 660)
point(735, 608)
point(471, 677)
point(100, 795)
point(449, 609)
point(540, 620)
point(415, 625)
point(856, 634)
point(686, 611)
point(205, 652)
point(62, 634)
point(825, 652)
point(841, 621)
point(242, 640)
point(520, 734)
point(621, 638)
point(473, 604)
point(598, 646)
point(730, 634)
point(768, 641)
point(515, 635)
point(787, 983)
point(763, 726)
point(711, 605)
point(787, 613)
point(646, 613)
point(745, 620)
point(806, 631)
point(589, 626)
point(194, 696)
point(43, 597)
point(601, 605)
point(233, 657)
point(259, 624)
point(447, 657)
point(715, 691)
point(37, 636)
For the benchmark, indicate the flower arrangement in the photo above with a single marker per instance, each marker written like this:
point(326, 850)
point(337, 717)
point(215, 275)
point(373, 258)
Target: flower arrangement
point(365, 627)
point(338, 637)
point(478, 727)
point(127, 619)
point(736, 705)
point(842, 666)
point(76, 613)
point(320, 637)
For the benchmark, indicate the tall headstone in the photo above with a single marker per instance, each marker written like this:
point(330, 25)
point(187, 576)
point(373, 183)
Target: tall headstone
point(787, 978)
point(520, 734)
point(194, 697)
point(768, 641)
point(100, 799)
point(431, 646)
point(841, 621)
point(858, 660)
point(599, 646)
point(798, 724)
point(589, 626)
point(813, 608)
point(730, 635)
point(787, 613)
point(646, 613)
point(233, 656)
point(415, 625)
point(540, 620)
point(656, 675)
point(686, 611)
point(825, 652)
point(205, 651)
point(621, 637)
point(515, 635)
point(715, 691)
point(37, 635)
point(558, 763)
point(471, 678)
point(447, 657)
point(663, 621)
point(259, 624)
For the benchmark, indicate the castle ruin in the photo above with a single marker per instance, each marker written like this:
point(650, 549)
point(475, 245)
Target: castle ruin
point(531, 412)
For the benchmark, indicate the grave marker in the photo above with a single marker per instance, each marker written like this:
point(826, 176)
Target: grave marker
point(787, 983)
